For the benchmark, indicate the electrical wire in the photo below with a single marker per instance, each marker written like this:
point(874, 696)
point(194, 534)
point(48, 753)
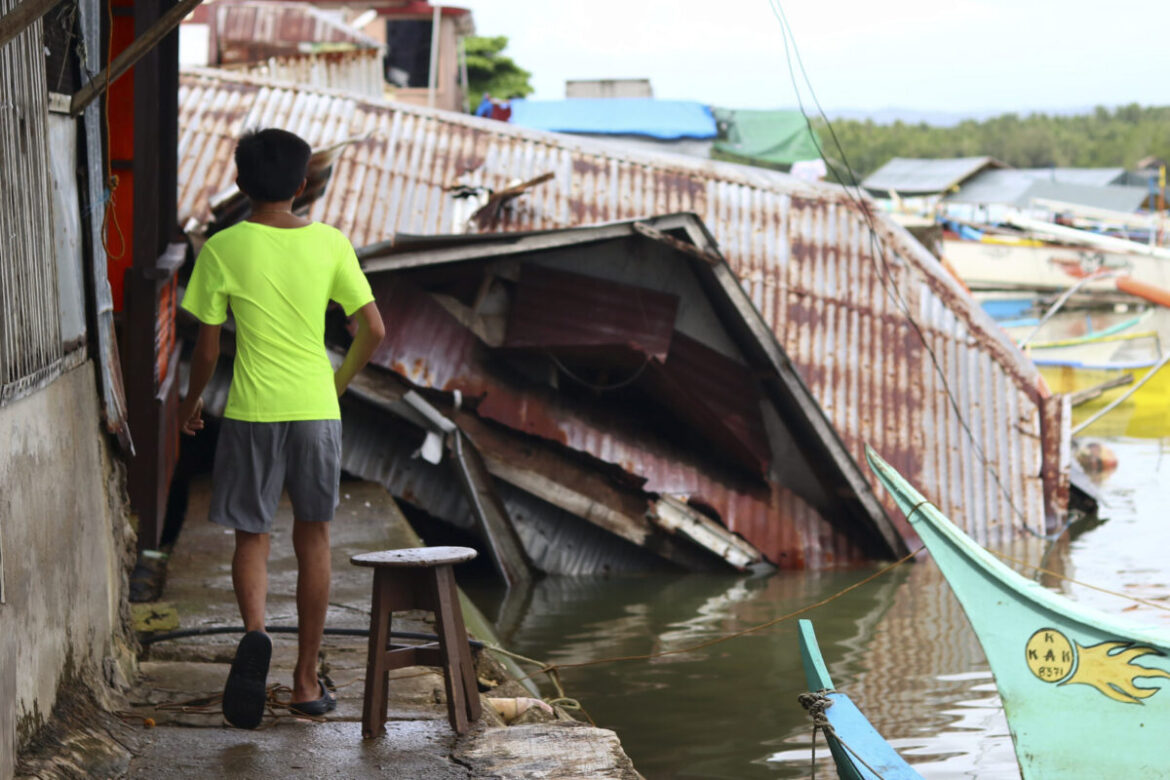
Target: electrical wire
point(877, 249)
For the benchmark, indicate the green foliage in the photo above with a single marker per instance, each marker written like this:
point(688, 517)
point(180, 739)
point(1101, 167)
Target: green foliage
point(489, 71)
point(1102, 139)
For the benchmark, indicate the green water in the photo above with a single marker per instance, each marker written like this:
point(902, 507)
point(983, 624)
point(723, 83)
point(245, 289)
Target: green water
point(900, 646)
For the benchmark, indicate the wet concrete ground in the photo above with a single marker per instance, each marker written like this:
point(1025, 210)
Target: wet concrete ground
point(182, 679)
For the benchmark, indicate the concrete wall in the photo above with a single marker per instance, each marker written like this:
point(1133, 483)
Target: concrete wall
point(63, 547)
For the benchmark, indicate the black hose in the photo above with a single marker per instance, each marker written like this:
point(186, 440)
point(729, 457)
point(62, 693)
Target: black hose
point(182, 633)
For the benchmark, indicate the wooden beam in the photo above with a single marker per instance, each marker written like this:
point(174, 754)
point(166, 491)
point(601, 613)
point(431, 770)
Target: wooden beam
point(131, 54)
point(19, 18)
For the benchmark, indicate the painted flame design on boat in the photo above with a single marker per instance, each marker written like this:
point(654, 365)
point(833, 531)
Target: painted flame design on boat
point(1109, 668)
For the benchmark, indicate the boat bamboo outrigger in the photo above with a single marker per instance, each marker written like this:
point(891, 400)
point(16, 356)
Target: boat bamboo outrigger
point(859, 751)
point(1085, 694)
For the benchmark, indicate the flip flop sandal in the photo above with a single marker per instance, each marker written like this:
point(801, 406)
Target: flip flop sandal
point(316, 707)
point(245, 693)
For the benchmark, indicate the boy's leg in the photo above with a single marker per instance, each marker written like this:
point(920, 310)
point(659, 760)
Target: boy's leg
point(311, 543)
point(250, 577)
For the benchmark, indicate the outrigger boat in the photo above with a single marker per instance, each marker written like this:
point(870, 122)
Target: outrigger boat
point(859, 751)
point(1085, 694)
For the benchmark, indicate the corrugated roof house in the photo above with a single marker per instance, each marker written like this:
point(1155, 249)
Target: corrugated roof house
point(1093, 187)
point(892, 348)
point(911, 176)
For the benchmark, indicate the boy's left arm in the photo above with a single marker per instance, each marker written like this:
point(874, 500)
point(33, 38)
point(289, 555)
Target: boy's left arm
point(203, 361)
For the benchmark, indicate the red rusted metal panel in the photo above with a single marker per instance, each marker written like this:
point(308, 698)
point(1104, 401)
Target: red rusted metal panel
point(719, 396)
point(428, 346)
point(568, 313)
point(253, 31)
point(424, 343)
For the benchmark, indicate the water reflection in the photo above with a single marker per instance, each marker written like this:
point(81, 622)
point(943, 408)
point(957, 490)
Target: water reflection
point(900, 646)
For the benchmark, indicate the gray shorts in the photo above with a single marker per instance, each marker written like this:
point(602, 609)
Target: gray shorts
point(255, 461)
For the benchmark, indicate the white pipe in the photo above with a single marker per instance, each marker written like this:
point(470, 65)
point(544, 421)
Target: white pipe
point(1075, 236)
point(433, 75)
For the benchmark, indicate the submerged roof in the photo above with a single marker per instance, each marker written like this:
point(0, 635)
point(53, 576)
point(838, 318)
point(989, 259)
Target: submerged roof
point(910, 176)
point(774, 137)
point(717, 343)
point(802, 251)
point(662, 119)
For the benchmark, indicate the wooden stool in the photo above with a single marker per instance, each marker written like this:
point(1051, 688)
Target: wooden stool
point(418, 578)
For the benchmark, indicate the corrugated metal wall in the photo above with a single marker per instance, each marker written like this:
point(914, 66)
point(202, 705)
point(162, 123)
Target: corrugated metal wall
point(803, 252)
point(357, 72)
point(30, 329)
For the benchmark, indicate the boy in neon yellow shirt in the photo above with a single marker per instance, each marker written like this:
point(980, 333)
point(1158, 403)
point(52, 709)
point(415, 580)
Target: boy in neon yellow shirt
point(277, 273)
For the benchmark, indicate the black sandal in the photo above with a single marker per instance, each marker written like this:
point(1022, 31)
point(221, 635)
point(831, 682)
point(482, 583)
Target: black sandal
point(246, 691)
point(316, 707)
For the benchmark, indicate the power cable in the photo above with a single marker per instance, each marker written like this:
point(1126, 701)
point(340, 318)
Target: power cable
point(877, 249)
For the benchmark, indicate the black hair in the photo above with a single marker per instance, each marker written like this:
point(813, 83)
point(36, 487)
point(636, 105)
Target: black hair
point(271, 164)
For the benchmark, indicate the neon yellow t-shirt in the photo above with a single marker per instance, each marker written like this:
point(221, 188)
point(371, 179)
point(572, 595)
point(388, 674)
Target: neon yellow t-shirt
point(278, 282)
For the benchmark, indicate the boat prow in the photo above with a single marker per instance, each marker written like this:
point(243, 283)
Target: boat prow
point(1084, 693)
point(859, 751)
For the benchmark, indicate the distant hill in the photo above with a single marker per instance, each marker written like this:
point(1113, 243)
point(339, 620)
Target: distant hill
point(912, 116)
point(1088, 138)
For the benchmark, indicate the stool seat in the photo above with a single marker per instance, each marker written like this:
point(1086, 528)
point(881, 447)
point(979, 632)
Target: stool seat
point(415, 557)
point(418, 578)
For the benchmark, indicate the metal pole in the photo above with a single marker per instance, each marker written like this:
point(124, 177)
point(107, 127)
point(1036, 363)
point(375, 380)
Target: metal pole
point(1123, 397)
point(1063, 299)
point(433, 76)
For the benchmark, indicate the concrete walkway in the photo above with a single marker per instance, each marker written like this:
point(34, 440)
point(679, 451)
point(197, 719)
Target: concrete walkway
point(182, 679)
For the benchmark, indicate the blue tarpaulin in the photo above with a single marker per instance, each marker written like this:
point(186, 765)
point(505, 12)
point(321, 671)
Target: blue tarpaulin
point(663, 119)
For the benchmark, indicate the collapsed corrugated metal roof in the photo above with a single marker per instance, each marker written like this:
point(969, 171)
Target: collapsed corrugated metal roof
point(889, 344)
point(632, 346)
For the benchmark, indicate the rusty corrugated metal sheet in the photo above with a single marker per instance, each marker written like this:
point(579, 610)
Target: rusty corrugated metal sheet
point(431, 348)
point(802, 251)
point(30, 327)
point(358, 72)
point(253, 31)
point(546, 315)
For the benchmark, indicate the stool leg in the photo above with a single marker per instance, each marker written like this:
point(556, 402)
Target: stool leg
point(377, 675)
point(450, 635)
point(466, 662)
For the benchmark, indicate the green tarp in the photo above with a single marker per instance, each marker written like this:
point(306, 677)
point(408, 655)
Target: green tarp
point(777, 138)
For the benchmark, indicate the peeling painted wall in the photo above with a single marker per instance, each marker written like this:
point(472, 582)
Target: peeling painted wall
point(62, 551)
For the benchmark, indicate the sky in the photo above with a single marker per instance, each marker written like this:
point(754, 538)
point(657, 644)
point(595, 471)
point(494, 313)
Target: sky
point(952, 56)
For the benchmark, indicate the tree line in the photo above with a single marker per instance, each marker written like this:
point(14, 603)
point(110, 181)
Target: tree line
point(1102, 139)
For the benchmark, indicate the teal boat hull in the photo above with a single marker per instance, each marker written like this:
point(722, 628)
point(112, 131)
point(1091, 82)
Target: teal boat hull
point(859, 751)
point(1085, 694)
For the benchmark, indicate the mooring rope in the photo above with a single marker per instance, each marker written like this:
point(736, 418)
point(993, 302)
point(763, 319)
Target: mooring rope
point(1066, 578)
point(816, 704)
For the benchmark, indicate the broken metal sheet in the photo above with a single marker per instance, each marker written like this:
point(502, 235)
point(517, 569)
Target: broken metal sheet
point(379, 447)
point(716, 395)
point(894, 352)
point(430, 347)
point(547, 315)
point(675, 516)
